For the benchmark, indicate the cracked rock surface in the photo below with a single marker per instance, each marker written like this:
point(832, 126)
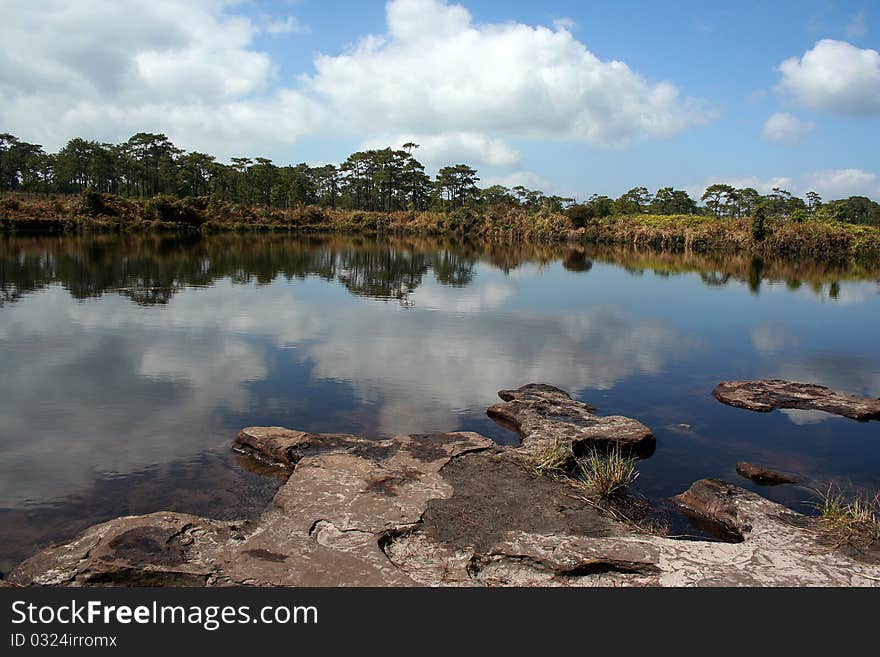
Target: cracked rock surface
point(765, 395)
point(452, 509)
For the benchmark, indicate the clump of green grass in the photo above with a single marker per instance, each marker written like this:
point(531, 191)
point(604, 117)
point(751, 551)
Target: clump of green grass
point(849, 519)
point(606, 472)
point(553, 460)
point(603, 475)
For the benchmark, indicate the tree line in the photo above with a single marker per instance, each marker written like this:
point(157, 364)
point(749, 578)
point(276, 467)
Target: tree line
point(378, 180)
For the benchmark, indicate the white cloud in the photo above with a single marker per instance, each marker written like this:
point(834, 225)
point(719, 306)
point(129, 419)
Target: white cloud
point(834, 76)
point(762, 185)
point(289, 25)
point(105, 69)
point(829, 184)
point(527, 179)
point(843, 183)
point(435, 71)
point(857, 27)
point(565, 23)
point(785, 128)
point(442, 149)
point(194, 71)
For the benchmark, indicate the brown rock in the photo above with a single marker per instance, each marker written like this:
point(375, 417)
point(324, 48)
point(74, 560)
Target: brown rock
point(542, 415)
point(287, 446)
point(764, 476)
point(767, 394)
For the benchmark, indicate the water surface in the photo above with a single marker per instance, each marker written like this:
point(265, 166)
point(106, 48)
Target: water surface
point(128, 364)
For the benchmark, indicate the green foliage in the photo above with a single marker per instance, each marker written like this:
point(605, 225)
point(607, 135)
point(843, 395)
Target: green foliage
point(798, 215)
point(635, 201)
point(461, 220)
point(673, 201)
point(720, 199)
point(853, 210)
point(388, 181)
point(759, 223)
point(580, 215)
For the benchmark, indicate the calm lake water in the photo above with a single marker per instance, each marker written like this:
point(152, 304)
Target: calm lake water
point(127, 365)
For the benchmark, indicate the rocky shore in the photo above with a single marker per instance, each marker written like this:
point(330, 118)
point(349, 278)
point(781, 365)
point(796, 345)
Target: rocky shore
point(455, 509)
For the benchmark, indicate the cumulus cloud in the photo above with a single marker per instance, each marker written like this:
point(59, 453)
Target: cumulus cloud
point(187, 69)
point(289, 25)
point(441, 149)
point(436, 71)
point(785, 128)
point(762, 185)
point(842, 183)
point(829, 183)
point(834, 76)
point(527, 179)
point(194, 71)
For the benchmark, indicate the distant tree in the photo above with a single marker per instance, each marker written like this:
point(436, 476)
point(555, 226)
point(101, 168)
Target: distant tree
point(746, 200)
point(458, 182)
point(718, 199)
point(496, 195)
point(600, 206)
point(635, 201)
point(814, 201)
point(853, 210)
point(671, 201)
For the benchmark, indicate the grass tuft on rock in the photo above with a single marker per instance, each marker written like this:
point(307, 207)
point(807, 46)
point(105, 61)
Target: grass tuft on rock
point(606, 472)
point(553, 461)
point(849, 519)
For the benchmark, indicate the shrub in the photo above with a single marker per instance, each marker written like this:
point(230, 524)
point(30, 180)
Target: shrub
point(171, 210)
point(92, 204)
point(759, 224)
point(580, 215)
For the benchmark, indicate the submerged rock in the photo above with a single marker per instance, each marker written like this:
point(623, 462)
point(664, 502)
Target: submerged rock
point(765, 395)
point(764, 476)
point(450, 509)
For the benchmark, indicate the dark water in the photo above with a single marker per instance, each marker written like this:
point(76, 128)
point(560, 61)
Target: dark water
point(127, 365)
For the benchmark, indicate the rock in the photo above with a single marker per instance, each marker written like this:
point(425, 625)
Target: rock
point(544, 415)
point(286, 447)
point(764, 476)
point(450, 509)
point(767, 394)
point(158, 549)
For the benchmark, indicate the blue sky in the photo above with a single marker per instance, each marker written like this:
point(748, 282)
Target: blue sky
point(526, 92)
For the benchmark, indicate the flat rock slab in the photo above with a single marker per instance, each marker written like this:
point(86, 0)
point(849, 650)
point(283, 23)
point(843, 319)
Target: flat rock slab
point(544, 415)
point(765, 395)
point(450, 509)
point(765, 476)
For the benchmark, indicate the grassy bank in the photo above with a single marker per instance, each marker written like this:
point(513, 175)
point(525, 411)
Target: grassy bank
point(702, 234)
point(93, 212)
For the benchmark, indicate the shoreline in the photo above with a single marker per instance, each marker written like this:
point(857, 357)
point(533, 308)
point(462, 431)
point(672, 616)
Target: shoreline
point(97, 213)
point(456, 509)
